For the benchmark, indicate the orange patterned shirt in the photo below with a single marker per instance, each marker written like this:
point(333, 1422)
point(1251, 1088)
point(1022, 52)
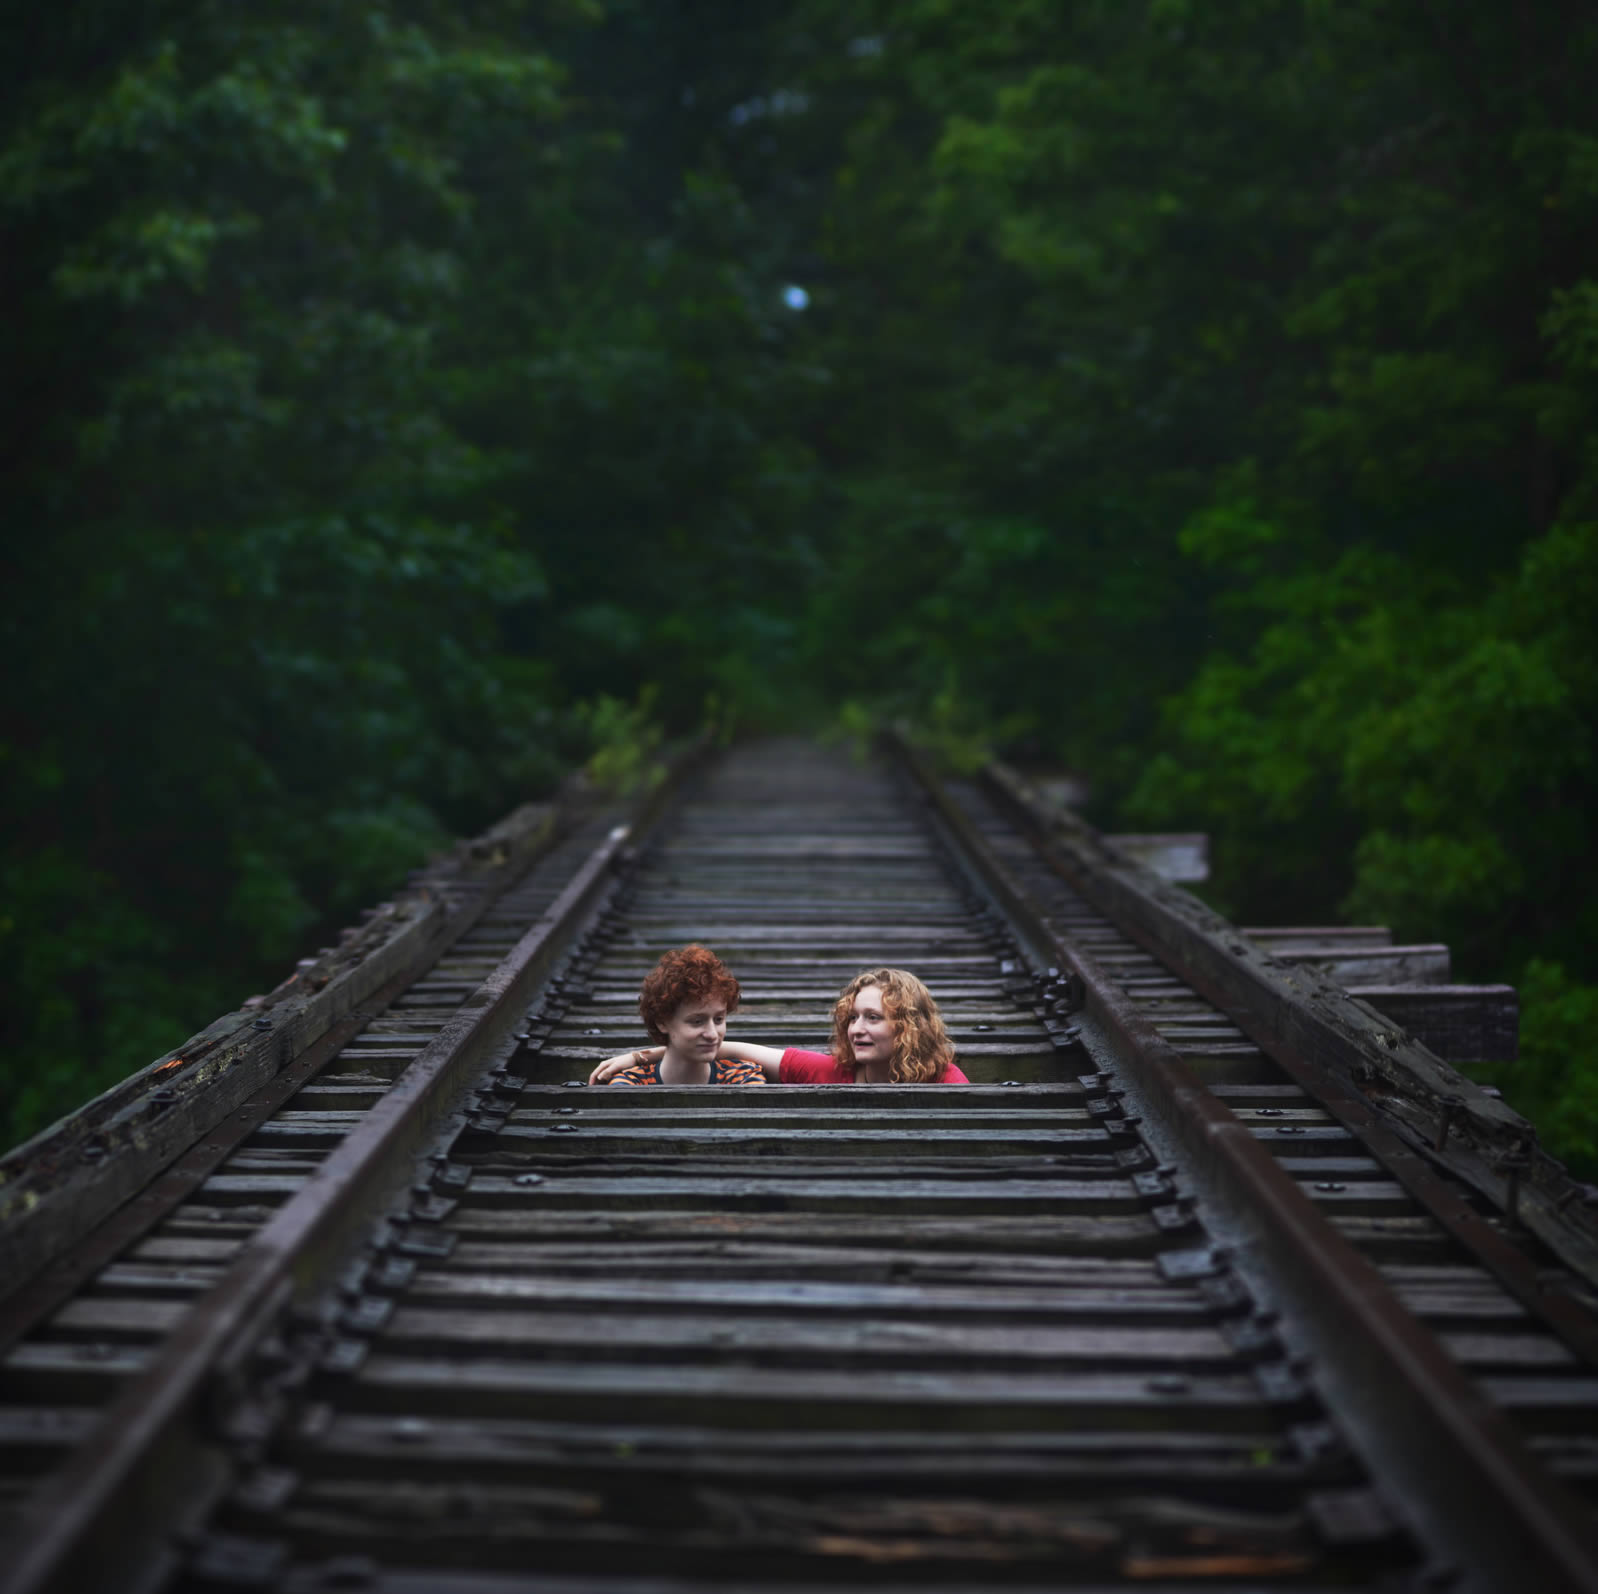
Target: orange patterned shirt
point(724, 1071)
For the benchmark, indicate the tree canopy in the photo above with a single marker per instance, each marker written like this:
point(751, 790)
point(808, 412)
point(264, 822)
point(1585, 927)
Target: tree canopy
point(1201, 397)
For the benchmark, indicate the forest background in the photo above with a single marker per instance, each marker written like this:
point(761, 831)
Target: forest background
point(402, 399)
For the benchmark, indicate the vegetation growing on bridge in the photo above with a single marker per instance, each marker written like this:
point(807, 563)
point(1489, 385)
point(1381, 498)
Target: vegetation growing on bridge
point(1199, 396)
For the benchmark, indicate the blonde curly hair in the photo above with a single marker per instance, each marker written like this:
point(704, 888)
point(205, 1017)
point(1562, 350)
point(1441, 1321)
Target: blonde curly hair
point(922, 1049)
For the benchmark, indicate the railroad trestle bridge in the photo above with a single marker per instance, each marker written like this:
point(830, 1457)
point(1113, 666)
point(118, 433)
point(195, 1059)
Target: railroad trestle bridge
point(1216, 1275)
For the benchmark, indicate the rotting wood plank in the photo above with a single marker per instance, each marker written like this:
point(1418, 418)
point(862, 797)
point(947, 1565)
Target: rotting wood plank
point(1065, 1234)
point(800, 1397)
point(787, 1258)
point(1121, 1302)
point(713, 1530)
point(777, 1193)
point(609, 1138)
point(1460, 1023)
point(380, 1443)
point(684, 1338)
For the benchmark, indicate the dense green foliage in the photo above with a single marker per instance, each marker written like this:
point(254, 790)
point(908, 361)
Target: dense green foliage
point(1202, 396)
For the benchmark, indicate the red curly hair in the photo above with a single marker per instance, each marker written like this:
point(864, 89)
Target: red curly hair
point(922, 1049)
point(691, 973)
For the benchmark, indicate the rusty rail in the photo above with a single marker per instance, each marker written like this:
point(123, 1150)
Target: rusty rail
point(1462, 1458)
point(151, 1463)
point(1444, 1118)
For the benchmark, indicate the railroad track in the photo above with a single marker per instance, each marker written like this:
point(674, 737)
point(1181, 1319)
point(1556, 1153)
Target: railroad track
point(1212, 1278)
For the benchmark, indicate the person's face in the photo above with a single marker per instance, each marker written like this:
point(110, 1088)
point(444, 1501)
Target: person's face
point(870, 1029)
point(698, 1027)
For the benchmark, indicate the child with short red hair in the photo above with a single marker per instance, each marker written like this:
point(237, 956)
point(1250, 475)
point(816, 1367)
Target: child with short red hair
point(684, 1004)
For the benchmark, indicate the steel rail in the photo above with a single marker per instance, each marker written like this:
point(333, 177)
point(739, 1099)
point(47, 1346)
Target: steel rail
point(158, 1133)
point(1297, 1015)
point(1226, 977)
point(149, 1460)
point(28, 1305)
point(1460, 1457)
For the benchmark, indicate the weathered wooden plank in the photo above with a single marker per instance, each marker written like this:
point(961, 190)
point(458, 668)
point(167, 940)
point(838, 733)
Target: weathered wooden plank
point(1385, 1239)
point(215, 1220)
point(1455, 1306)
point(115, 1318)
point(1278, 937)
point(777, 1194)
point(1427, 964)
point(779, 1140)
point(1293, 1140)
point(797, 1397)
point(184, 1249)
point(225, 1188)
point(344, 1092)
point(829, 1579)
point(181, 1279)
point(863, 1338)
point(33, 1434)
point(569, 1160)
point(48, 1371)
point(1063, 1235)
point(1479, 1351)
point(1553, 1405)
point(708, 1258)
point(1111, 1302)
point(1460, 1023)
point(657, 1108)
point(715, 1531)
point(628, 1450)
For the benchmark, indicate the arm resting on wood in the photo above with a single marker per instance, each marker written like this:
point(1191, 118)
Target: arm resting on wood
point(606, 1071)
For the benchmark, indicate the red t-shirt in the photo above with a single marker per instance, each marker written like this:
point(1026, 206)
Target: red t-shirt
point(819, 1068)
